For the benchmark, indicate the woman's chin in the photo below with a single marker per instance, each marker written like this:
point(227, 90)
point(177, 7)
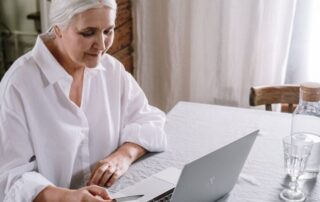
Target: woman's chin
point(91, 64)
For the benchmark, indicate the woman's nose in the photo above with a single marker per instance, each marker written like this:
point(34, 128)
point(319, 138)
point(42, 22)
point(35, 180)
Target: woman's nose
point(101, 42)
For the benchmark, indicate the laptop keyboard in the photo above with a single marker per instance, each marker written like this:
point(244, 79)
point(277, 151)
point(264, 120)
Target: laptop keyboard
point(165, 197)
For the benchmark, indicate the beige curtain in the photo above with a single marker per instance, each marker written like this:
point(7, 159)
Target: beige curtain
point(210, 51)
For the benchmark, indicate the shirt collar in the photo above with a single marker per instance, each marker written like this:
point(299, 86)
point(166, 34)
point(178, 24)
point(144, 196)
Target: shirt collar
point(50, 67)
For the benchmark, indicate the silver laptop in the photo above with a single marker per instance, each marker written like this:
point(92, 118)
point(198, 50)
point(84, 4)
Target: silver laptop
point(204, 180)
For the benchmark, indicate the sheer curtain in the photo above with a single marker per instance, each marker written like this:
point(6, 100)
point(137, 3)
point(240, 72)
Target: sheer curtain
point(304, 58)
point(210, 51)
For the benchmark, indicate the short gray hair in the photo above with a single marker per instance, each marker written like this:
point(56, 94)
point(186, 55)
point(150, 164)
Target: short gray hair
point(62, 11)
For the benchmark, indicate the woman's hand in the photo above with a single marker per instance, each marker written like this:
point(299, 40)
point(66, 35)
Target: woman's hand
point(108, 170)
point(89, 193)
point(92, 193)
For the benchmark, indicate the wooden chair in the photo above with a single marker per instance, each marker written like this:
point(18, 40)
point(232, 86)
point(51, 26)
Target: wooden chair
point(286, 95)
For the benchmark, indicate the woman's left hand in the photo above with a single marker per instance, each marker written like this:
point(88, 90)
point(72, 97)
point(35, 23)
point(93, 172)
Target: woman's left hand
point(108, 170)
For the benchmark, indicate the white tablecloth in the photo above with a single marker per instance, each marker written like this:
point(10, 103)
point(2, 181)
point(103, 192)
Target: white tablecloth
point(196, 129)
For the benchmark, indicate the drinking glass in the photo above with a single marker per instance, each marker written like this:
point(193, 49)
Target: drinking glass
point(296, 153)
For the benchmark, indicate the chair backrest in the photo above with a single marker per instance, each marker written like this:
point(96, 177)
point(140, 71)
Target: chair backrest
point(286, 95)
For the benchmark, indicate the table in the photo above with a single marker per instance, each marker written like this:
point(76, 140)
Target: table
point(196, 129)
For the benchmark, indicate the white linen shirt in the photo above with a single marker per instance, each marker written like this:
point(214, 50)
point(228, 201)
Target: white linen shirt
point(45, 139)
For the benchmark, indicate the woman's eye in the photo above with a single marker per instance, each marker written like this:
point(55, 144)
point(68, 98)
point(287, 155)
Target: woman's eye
point(108, 32)
point(87, 33)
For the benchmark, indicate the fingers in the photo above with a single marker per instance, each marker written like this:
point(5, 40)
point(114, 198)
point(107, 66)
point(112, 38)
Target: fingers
point(91, 198)
point(98, 191)
point(104, 181)
point(99, 199)
point(105, 175)
point(98, 174)
point(114, 177)
point(109, 170)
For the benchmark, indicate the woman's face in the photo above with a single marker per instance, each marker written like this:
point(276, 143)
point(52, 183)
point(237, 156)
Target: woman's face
point(87, 37)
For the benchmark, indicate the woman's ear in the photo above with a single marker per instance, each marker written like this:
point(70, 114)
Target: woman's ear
point(57, 31)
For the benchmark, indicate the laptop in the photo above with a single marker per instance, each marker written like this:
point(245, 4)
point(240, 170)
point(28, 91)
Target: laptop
point(206, 179)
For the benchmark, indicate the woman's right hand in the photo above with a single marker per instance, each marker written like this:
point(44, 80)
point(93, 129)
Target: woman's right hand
point(89, 193)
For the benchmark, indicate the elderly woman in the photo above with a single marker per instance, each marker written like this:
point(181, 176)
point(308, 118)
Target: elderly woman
point(72, 120)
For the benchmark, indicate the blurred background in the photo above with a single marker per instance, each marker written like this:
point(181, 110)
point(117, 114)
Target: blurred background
point(19, 25)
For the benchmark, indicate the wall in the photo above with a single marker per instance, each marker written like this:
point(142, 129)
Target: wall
point(122, 46)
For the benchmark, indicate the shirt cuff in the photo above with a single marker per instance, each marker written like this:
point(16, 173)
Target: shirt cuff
point(27, 187)
point(152, 138)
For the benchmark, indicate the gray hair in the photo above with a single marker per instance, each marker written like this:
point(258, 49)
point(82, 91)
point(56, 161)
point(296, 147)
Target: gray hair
point(62, 11)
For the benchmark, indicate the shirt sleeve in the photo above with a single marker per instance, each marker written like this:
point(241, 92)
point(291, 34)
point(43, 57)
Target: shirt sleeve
point(19, 179)
point(143, 124)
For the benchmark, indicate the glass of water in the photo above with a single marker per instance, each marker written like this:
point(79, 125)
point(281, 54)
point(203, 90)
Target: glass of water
point(297, 150)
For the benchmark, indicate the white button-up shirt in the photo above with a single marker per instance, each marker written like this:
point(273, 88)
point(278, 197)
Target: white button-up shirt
point(46, 139)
